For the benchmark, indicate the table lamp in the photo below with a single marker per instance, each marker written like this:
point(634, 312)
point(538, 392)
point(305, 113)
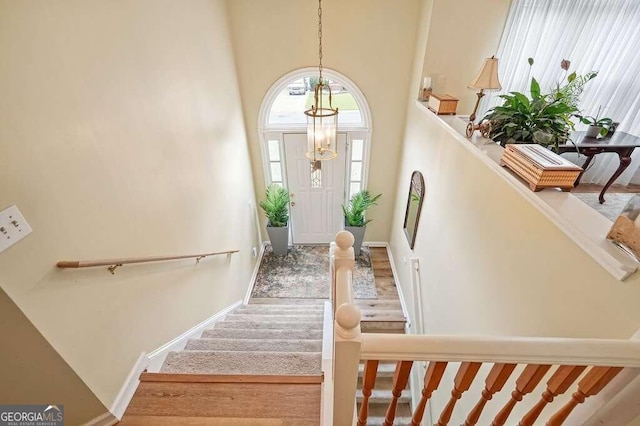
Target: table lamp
point(487, 79)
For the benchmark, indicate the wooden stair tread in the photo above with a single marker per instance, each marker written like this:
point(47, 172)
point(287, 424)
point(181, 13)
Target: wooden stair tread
point(212, 421)
point(226, 400)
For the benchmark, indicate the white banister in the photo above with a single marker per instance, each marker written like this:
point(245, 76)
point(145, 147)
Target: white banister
point(346, 330)
point(516, 350)
point(605, 358)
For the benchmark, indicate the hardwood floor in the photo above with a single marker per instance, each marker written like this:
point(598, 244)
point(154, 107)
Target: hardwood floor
point(590, 187)
point(385, 284)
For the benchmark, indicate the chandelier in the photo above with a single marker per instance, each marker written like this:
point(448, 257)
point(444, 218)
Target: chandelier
point(321, 121)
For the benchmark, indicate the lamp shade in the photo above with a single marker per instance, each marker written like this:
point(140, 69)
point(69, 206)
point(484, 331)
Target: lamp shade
point(487, 78)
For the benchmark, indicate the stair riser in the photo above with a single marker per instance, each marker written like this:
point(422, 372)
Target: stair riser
point(288, 318)
point(380, 410)
point(268, 325)
point(279, 311)
point(286, 302)
point(385, 383)
point(384, 401)
point(259, 345)
point(382, 327)
point(233, 333)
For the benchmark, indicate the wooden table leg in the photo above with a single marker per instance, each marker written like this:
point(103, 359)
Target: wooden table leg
point(625, 160)
point(584, 168)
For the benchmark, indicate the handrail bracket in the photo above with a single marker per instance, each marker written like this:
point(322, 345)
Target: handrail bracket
point(113, 268)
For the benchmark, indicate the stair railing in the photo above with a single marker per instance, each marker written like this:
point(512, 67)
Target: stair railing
point(114, 264)
point(595, 362)
point(346, 329)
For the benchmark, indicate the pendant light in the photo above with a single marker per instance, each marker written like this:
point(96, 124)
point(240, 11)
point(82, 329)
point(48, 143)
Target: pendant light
point(321, 120)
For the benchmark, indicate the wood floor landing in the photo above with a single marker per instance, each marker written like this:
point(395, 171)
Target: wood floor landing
point(193, 403)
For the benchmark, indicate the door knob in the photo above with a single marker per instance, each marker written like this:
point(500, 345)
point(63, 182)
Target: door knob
point(292, 195)
point(293, 204)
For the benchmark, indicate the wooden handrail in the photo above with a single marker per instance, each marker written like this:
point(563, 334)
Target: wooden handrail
point(514, 350)
point(113, 264)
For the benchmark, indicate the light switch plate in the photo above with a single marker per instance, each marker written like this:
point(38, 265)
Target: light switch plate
point(13, 227)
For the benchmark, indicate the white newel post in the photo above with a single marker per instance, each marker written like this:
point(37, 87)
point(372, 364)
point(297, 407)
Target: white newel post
point(347, 338)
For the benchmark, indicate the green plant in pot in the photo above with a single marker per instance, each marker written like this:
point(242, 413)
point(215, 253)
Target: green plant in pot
point(276, 209)
point(354, 216)
point(597, 126)
point(544, 119)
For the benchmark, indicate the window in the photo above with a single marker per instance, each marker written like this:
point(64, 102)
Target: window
point(595, 35)
point(357, 158)
point(275, 162)
point(289, 105)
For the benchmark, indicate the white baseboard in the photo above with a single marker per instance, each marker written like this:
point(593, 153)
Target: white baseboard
point(374, 244)
point(153, 361)
point(403, 302)
point(156, 358)
point(129, 387)
point(106, 419)
point(254, 276)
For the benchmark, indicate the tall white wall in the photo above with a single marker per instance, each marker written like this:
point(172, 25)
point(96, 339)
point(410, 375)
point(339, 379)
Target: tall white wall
point(370, 41)
point(121, 134)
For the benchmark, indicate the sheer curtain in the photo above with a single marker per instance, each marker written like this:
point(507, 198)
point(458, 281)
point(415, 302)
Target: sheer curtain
point(595, 35)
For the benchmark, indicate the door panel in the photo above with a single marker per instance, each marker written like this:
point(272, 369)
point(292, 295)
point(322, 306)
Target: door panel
point(316, 215)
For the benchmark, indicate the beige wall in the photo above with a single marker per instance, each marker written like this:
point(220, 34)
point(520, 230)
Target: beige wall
point(370, 41)
point(492, 264)
point(462, 34)
point(121, 134)
point(37, 373)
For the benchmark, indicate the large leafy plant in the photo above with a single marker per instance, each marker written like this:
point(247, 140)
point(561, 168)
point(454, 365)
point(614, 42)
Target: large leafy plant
point(358, 205)
point(276, 206)
point(544, 119)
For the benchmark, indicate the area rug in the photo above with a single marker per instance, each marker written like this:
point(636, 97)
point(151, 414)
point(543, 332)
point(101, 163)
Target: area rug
point(304, 273)
point(612, 207)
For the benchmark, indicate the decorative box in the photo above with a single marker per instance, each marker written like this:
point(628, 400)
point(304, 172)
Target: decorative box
point(540, 167)
point(442, 104)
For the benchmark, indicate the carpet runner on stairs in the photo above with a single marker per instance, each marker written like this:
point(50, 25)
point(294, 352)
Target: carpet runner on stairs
point(271, 338)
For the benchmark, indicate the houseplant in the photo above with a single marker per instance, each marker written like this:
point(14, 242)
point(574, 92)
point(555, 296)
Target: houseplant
point(354, 219)
point(544, 119)
point(276, 209)
point(597, 126)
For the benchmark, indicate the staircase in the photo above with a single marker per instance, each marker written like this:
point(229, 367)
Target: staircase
point(265, 357)
point(256, 339)
point(383, 316)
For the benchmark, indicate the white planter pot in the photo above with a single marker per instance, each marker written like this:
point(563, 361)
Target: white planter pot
point(593, 131)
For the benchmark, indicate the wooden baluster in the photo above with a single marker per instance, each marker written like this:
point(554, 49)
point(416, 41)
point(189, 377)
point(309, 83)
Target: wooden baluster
point(431, 382)
point(558, 384)
point(495, 381)
point(400, 380)
point(595, 380)
point(368, 382)
point(526, 383)
point(464, 377)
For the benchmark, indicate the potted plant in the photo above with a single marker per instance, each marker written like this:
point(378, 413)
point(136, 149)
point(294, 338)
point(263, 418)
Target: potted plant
point(597, 126)
point(354, 220)
point(544, 119)
point(276, 209)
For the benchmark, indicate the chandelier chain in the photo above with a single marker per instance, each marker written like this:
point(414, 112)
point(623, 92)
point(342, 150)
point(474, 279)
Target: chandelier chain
point(320, 38)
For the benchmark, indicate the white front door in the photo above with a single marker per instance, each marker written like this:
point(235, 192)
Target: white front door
point(316, 192)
